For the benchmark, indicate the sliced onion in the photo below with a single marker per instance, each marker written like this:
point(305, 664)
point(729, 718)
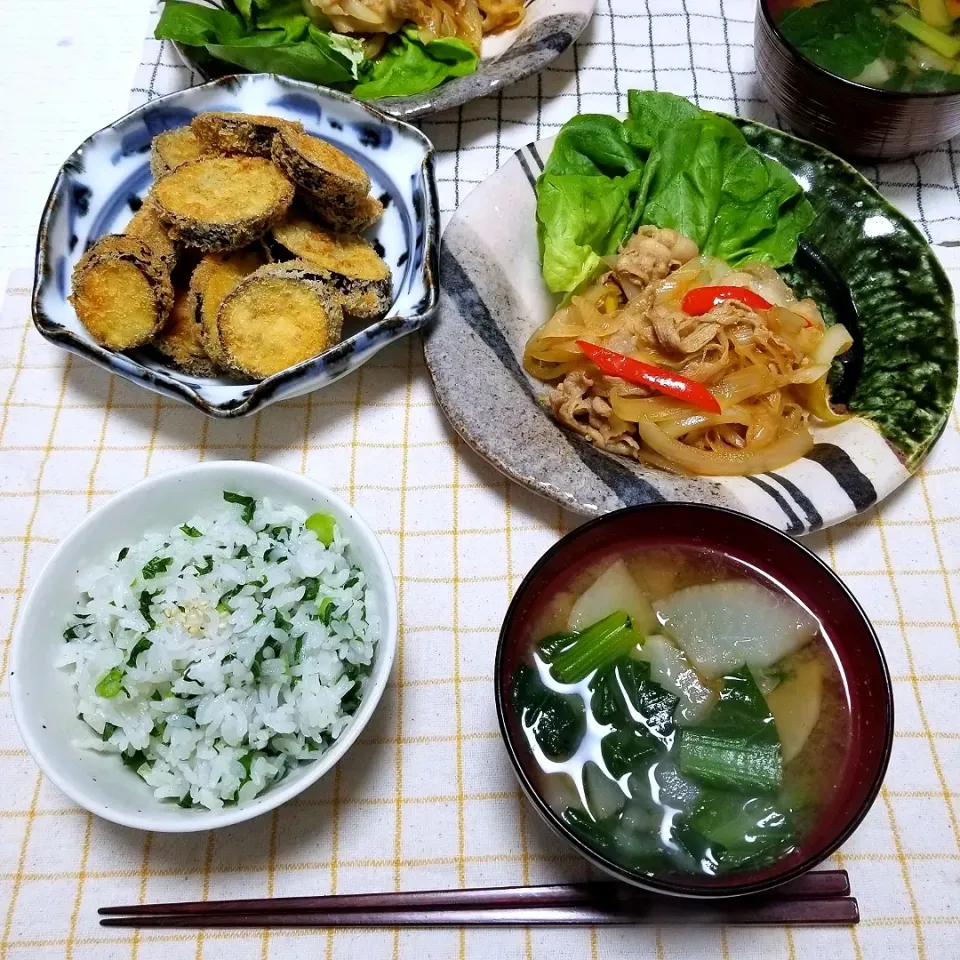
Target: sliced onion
point(808, 374)
point(809, 310)
point(548, 371)
point(835, 341)
point(696, 421)
point(787, 448)
point(722, 626)
point(654, 409)
point(764, 281)
point(557, 351)
point(743, 384)
point(816, 398)
point(630, 289)
point(788, 321)
point(816, 395)
point(594, 322)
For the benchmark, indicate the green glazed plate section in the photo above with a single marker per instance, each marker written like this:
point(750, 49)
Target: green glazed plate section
point(903, 298)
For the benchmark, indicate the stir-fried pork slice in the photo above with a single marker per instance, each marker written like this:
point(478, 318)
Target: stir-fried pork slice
point(651, 253)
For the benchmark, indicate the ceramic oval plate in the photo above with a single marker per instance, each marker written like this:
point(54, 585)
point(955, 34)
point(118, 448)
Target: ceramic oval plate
point(106, 178)
point(865, 263)
point(548, 29)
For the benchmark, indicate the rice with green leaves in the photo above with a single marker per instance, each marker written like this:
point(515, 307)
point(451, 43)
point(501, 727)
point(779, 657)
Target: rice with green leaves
point(215, 657)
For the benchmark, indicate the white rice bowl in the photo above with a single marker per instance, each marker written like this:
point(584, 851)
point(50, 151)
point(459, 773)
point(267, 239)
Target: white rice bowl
point(214, 674)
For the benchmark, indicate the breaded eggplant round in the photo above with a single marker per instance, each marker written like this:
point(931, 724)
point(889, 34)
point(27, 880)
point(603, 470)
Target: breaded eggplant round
point(180, 338)
point(170, 149)
point(320, 169)
point(350, 265)
point(147, 226)
point(222, 203)
point(247, 133)
point(121, 292)
point(278, 317)
point(346, 218)
point(214, 277)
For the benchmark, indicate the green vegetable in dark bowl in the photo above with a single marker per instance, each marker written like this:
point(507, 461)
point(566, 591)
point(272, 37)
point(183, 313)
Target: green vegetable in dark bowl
point(879, 43)
point(724, 776)
point(699, 754)
point(556, 721)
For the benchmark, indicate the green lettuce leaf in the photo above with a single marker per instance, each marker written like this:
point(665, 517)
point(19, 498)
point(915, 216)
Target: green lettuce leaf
point(704, 180)
point(669, 164)
point(652, 114)
point(409, 66)
point(315, 60)
point(585, 198)
point(243, 7)
point(595, 145)
point(264, 36)
point(290, 21)
point(581, 219)
point(195, 25)
point(350, 48)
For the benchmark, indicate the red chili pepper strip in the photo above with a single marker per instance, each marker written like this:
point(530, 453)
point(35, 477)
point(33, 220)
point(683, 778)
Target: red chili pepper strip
point(647, 375)
point(703, 299)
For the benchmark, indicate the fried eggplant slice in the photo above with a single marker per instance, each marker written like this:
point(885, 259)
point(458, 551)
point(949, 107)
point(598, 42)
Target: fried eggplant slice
point(222, 203)
point(147, 226)
point(327, 174)
point(214, 277)
point(172, 148)
point(278, 317)
point(346, 218)
point(349, 264)
point(121, 292)
point(247, 133)
point(180, 338)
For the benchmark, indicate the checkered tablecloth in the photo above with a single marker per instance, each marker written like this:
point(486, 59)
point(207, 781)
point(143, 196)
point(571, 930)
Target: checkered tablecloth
point(427, 798)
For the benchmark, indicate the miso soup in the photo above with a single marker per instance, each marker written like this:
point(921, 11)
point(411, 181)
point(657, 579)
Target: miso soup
point(910, 46)
point(683, 715)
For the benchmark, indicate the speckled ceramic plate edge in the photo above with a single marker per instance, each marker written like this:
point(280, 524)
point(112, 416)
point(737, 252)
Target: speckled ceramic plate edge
point(231, 400)
point(492, 297)
point(535, 44)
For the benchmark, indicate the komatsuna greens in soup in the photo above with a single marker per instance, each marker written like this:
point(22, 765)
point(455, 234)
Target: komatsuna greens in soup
point(909, 46)
point(682, 716)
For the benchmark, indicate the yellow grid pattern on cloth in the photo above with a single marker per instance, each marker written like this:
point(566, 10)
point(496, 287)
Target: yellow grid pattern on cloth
point(459, 538)
point(426, 798)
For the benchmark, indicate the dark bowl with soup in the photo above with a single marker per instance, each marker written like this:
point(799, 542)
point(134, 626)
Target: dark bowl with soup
point(693, 700)
point(872, 79)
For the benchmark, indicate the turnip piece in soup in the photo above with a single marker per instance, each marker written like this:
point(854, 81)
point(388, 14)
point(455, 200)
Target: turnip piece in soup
point(671, 669)
point(604, 796)
point(614, 590)
point(795, 705)
point(722, 626)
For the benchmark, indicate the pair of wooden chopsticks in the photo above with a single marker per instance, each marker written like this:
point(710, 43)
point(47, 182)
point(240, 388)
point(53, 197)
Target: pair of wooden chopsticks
point(816, 898)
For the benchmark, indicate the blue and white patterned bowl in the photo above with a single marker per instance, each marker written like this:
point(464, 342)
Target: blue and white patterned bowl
point(105, 179)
